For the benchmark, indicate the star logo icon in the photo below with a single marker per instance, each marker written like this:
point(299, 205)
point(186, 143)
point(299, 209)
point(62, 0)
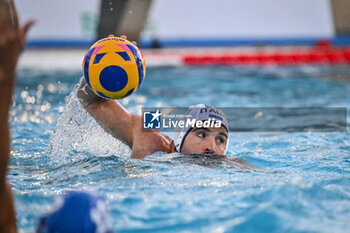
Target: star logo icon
point(156, 115)
point(152, 119)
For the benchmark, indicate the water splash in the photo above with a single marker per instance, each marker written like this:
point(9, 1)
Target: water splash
point(77, 135)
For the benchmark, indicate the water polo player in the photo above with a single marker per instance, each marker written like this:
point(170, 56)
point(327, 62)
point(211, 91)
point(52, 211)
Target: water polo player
point(127, 127)
point(77, 211)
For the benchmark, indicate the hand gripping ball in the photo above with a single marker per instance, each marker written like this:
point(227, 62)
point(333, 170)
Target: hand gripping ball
point(114, 68)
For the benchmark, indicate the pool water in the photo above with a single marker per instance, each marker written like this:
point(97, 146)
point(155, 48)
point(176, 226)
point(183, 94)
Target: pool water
point(301, 182)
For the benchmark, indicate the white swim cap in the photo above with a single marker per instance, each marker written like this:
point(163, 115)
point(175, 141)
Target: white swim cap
point(200, 112)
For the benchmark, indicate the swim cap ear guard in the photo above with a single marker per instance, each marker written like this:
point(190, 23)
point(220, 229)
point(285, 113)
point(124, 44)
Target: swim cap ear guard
point(200, 112)
point(77, 211)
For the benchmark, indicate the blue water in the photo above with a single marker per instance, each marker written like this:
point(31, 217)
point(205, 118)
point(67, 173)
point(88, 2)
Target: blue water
point(301, 182)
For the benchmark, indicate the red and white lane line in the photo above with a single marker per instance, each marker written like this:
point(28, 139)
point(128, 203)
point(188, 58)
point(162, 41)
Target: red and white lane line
point(253, 56)
point(71, 59)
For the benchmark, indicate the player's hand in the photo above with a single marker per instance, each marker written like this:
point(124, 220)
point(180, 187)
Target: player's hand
point(124, 37)
point(12, 36)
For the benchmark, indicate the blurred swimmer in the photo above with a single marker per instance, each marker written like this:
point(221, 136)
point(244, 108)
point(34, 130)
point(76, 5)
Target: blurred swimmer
point(127, 127)
point(79, 212)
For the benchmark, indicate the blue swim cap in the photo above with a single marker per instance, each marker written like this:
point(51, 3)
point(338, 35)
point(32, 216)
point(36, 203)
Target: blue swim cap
point(200, 112)
point(77, 212)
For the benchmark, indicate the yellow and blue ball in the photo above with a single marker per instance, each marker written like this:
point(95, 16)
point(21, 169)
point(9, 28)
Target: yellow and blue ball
point(114, 68)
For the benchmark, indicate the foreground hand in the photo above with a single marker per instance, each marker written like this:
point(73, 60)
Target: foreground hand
point(12, 40)
point(12, 37)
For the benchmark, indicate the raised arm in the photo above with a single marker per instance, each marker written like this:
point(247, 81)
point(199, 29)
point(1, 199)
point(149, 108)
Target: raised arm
point(110, 114)
point(123, 125)
point(12, 39)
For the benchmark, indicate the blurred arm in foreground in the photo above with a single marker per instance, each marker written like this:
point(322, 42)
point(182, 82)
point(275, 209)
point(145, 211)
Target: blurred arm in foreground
point(12, 40)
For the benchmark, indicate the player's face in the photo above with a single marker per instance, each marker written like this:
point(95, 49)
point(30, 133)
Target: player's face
point(205, 141)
